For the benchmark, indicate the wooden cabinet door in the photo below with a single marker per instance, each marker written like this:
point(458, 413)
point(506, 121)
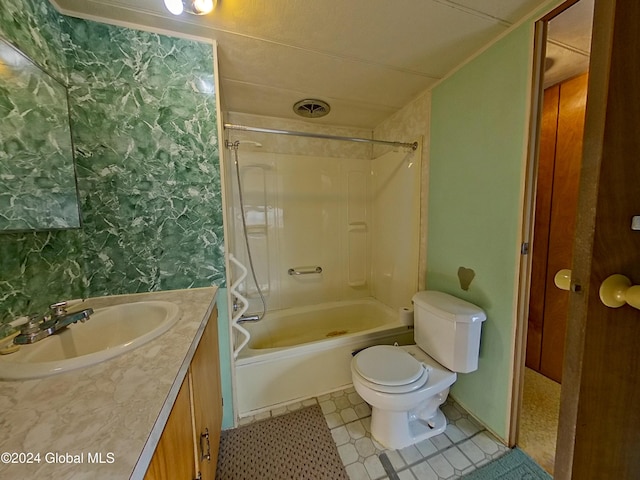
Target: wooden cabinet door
point(173, 458)
point(207, 399)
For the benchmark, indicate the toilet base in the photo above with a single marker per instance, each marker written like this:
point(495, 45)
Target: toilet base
point(397, 430)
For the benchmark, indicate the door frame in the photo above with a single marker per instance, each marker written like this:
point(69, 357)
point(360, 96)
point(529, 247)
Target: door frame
point(530, 185)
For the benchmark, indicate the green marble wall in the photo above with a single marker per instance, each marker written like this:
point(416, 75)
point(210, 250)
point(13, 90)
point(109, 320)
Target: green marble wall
point(143, 120)
point(34, 26)
point(143, 115)
point(37, 176)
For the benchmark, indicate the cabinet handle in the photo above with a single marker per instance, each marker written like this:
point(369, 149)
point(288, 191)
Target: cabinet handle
point(204, 437)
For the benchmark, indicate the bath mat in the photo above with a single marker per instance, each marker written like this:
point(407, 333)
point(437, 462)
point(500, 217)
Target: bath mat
point(513, 465)
point(295, 446)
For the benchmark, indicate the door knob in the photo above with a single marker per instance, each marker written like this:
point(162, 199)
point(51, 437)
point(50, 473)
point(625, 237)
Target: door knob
point(617, 290)
point(562, 279)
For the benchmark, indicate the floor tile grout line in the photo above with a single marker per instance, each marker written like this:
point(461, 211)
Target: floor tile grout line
point(388, 466)
point(392, 473)
point(423, 459)
point(439, 452)
point(459, 442)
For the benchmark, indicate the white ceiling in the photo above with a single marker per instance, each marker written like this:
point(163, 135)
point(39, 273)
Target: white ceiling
point(366, 58)
point(569, 43)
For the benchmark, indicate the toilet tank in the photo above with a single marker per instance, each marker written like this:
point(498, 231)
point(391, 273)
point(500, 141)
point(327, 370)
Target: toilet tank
point(448, 329)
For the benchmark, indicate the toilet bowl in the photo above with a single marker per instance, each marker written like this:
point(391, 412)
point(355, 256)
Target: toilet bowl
point(405, 396)
point(405, 386)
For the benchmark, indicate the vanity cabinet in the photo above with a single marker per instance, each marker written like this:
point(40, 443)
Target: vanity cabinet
point(207, 399)
point(174, 457)
point(188, 447)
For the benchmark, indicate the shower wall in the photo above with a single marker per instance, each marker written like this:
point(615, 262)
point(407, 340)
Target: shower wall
point(395, 205)
point(356, 218)
point(303, 212)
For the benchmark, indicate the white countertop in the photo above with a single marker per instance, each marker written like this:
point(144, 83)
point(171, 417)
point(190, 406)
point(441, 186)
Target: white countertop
point(113, 412)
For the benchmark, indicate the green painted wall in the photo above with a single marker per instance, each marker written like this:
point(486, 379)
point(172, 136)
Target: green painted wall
point(479, 123)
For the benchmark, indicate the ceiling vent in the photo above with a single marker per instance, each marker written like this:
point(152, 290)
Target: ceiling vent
point(311, 108)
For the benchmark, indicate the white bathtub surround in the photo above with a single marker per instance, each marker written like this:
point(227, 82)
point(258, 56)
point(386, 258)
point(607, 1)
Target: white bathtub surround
point(119, 406)
point(412, 122)
point(304, 352)
point(340, 214)
point(395, 238)
point(350, 223)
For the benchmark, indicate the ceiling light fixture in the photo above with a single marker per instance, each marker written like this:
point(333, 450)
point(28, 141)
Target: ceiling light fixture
point(194, 7)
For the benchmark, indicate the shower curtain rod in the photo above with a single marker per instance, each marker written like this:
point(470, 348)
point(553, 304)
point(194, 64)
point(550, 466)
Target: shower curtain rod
point(244, 128)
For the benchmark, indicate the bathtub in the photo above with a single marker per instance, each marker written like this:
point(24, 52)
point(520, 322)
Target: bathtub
point(302, 352)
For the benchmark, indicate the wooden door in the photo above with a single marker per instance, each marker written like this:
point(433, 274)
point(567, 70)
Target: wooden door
point(556, 205)
point(207, 399)
point(599, 433)
point(542, 219)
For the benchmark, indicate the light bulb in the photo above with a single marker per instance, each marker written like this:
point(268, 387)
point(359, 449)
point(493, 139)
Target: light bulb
point(174, 6)
point(202, 7)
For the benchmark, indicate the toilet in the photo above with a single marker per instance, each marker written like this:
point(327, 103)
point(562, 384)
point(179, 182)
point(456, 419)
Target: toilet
point(405, 386)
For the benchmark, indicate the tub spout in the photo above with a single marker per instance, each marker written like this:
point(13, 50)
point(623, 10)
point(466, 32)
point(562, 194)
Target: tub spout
point(248, 318)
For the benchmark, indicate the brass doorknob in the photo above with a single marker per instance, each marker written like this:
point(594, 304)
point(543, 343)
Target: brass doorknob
point(562, 279)
point(617, 290)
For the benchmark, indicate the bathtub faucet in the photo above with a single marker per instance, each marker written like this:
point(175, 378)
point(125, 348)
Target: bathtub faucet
point(248, 318)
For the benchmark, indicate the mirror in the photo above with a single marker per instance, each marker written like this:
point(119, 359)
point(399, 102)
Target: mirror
point(37, 174)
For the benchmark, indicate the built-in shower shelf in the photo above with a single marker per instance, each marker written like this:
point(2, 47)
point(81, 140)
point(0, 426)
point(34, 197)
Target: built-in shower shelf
point(357, 227)
point(256, 230)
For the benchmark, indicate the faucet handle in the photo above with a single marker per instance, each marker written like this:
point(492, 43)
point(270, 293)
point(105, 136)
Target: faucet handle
point(59, 309)
point(32, 325)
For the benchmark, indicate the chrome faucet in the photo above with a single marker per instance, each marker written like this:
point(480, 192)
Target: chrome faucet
point(248, 318)
point(58, 318)
point(244, 318)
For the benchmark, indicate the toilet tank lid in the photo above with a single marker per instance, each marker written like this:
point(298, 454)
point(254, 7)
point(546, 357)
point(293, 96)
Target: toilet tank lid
point(448, 306)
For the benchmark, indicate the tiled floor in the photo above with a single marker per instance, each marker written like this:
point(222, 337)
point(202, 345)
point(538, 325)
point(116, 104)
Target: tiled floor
point(464, 446)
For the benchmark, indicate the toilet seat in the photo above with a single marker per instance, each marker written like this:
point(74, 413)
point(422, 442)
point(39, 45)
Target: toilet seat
point(389, 369)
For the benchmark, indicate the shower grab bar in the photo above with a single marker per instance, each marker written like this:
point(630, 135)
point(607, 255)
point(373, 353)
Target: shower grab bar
point(304, 271)
point(245, 305)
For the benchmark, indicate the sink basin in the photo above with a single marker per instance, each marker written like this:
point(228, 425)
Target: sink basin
point(110, 332)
